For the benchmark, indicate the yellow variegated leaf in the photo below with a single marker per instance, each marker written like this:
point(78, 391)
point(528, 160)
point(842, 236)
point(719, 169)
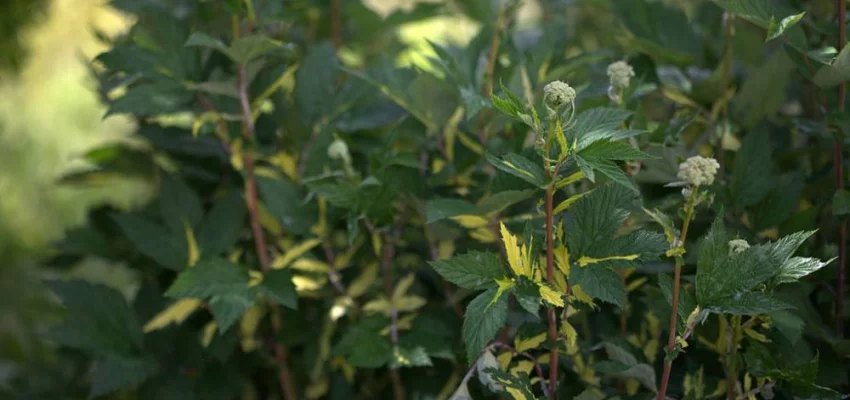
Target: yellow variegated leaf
point(632, 386)
point(236, 154)
point(360, 285)
point(445, 249)
point(304, 283)
point(636, 284)
point(343, 259)
point(650, 350)
point(562, 259)
point(511, 249)
point(575, 177)
point(483, 235)
point(376, 243)
point(585, 260)
point(173, 314)
point(515, 393)
point(234, 256)
point(682, 342)
point(675, 252)
point(254, 278)
point(504, 284)
point(380, 305)
point(192, 244)
point(756, 335)
point(470, 143)
point(579, 294)
point(437, 165)
point(295, 252)
point(248, 328)
point(317, 389)
point(310, 265)
point(403, 286)
point(522, 367)
point(287, 163)
point(504, 359)
point(471, 221)
point(408, 303)
point(450, 132)
point(208, 333)
point(321, 226)
point(564, 205)
point(268, 221)
point(560, 282)
point(551, 296)
point(569, 332)
point(527, 343)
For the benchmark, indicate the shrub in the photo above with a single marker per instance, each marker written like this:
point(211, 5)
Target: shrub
point(563, 210)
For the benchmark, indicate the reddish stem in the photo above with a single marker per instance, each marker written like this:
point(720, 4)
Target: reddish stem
point(550, 276)
point(838, 160)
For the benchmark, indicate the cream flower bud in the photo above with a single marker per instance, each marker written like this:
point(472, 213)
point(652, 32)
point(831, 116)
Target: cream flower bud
point(738, 245)
point(558, 93)
point(620, 74)
point(338, 150)
point(698, 170)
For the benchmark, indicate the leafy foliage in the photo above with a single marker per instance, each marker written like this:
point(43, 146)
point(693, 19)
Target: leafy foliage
point(339, 217)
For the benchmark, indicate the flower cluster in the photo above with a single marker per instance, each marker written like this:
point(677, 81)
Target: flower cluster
point(698, 170)
point(338, 150)
point(620, 74)
point(738, 245)
point(557, 94)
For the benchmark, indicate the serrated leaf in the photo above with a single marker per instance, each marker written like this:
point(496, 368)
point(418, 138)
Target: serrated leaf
point(520, 167)
point(210, 277)
point(178, 202)
point(113, 373)
point(220, 229)
point(363, 346)
point(99, 321)
point(596, 218)
point(482, 321)
point(752, 176)
point(285, 201)
point(600, 283)
point(473, 270)
point(836, 72)
point(596, 124)
point(748, 303)
point(248, 48)
point(798, 267)
point(438, 209)
point(551, 296)
point(277, 285)
point(166, 248)
point(612, 150)
point(315, 83)
point(228, 308)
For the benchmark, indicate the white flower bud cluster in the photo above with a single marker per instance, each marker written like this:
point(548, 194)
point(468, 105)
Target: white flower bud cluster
point(338, 150)
point(557, 94)
point(738, 245)
point(620, 74)
point(698, 170)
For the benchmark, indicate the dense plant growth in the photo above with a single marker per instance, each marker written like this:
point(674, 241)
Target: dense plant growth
point(616, 198)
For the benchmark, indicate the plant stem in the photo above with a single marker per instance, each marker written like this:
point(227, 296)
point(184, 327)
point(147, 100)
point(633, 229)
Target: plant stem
point(388, 252)
point(674, 312)
point(550, 276)
point(336, 24)
point(284, 377)
point(838, 160)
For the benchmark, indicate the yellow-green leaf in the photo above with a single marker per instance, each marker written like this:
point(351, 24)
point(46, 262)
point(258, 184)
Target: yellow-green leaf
point(173, 314)
point(551, 296)
point(585, 260)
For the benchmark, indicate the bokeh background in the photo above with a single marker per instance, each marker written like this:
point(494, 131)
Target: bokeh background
point(50, 114)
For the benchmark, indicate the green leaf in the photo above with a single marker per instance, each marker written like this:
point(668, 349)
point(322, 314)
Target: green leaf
point(763, 13)
point(790, 325)
point(286, 202)
point(596, 124)
point(200, 39)
point(474, 270)
point(836, 72)
point(687, 302)
point(114, 373)
point(752, 176)
point(746, 303)
point(609, 169)
point(277, 285)
point(596, 218)
point(315, 83)
point(484, 316)
point(764, 90)
point(99, 322)
point(228, 308)
point(409, 357)
point(611, 150)
point(168, 249)
point(442, 208)
point(841, 202)
point(146, 99)
point(209, 277)
point(659, 30)
point(497, 202)
point(798, 267)
point(510, 104)
point(220, 229)
point(775, 30)
point(363, 346)
point(644, 373)
point(599, 283)
point(520, 384)
point(178, 203)
point(248, 48)
point(520, 167)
